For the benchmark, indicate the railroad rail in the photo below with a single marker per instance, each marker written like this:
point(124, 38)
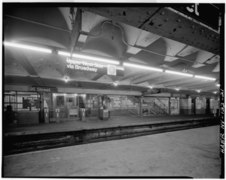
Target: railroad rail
point(13, 144)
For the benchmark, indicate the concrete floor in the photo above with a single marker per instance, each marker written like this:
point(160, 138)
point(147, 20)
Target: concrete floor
point(193, 153)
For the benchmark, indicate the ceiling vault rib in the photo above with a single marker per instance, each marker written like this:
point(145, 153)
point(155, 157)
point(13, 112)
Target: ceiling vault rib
point(38, 23)
point(76, 27)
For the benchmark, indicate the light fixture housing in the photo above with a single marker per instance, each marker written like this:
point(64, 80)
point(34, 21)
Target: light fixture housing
point(142, 67)
point(115, 83)
point(28, 47)
point(151, 87)
point(179, 73)
point(206, 78)
point(66, 79)
point(88, 57)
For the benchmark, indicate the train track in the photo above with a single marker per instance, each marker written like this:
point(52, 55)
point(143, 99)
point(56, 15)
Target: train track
point(14, 144)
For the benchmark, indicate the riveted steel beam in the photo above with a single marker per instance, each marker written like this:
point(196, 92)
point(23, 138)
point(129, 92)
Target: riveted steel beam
point(165, 22)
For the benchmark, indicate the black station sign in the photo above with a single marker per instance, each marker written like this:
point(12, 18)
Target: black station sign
point(43, 89)
point(207, 14)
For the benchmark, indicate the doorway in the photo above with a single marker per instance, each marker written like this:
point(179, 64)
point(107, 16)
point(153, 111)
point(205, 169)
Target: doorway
point(207, 106)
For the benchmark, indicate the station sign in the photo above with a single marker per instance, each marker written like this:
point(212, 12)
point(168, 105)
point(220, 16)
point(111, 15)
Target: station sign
point(43, 89)
point(81, 65)
point(207, 14)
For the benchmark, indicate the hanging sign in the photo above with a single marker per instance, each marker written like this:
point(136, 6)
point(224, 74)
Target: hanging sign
point(84, 66)
point(81, 65)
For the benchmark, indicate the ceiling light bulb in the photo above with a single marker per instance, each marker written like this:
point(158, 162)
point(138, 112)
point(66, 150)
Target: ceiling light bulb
point(66, 79)
point(115, 83)
point(151, 87)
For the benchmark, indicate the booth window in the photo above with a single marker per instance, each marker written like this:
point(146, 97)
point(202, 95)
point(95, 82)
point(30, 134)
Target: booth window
point(22, 101)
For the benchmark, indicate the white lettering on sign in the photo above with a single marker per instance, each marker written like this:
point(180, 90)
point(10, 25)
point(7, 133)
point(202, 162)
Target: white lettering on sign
point(83, 65)
point(193, 9)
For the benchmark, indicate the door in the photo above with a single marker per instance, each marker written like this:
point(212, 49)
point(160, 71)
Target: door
point(208, 106)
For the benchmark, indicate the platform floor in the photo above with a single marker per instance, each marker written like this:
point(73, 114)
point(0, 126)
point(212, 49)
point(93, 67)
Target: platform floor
point(94, 123)
point(192, 153)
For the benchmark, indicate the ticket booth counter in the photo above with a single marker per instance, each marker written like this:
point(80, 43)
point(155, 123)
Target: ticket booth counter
point(25, 105)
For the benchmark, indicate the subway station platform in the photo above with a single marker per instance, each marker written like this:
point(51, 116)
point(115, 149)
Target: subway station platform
point(189, 153)
point(95, 123)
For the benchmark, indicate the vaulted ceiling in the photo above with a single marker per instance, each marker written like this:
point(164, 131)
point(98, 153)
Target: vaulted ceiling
point(152, 36)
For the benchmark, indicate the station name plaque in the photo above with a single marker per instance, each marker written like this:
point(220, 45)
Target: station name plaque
point(43, 89)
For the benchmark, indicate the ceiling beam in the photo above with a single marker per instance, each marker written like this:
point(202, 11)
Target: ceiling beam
point(166, 22)
point(180, 82)
point(76, 27)
point(147, 77)
point(22, 58)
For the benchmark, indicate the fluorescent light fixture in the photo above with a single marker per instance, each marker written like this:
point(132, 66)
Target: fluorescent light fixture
point(87, 57)
point(204, 77)
point(178, 73)
point(218, 85)
point(64, 53)
point(142, 67)
point(23, 46)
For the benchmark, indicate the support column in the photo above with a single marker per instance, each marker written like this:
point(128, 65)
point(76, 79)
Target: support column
point(169, 105)
point(141, 105)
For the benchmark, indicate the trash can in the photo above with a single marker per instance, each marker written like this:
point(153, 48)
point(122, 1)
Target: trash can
point(104, 114)
point(82, 114)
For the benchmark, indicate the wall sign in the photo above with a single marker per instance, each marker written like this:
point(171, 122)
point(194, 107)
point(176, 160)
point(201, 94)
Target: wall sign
point(43, 89)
